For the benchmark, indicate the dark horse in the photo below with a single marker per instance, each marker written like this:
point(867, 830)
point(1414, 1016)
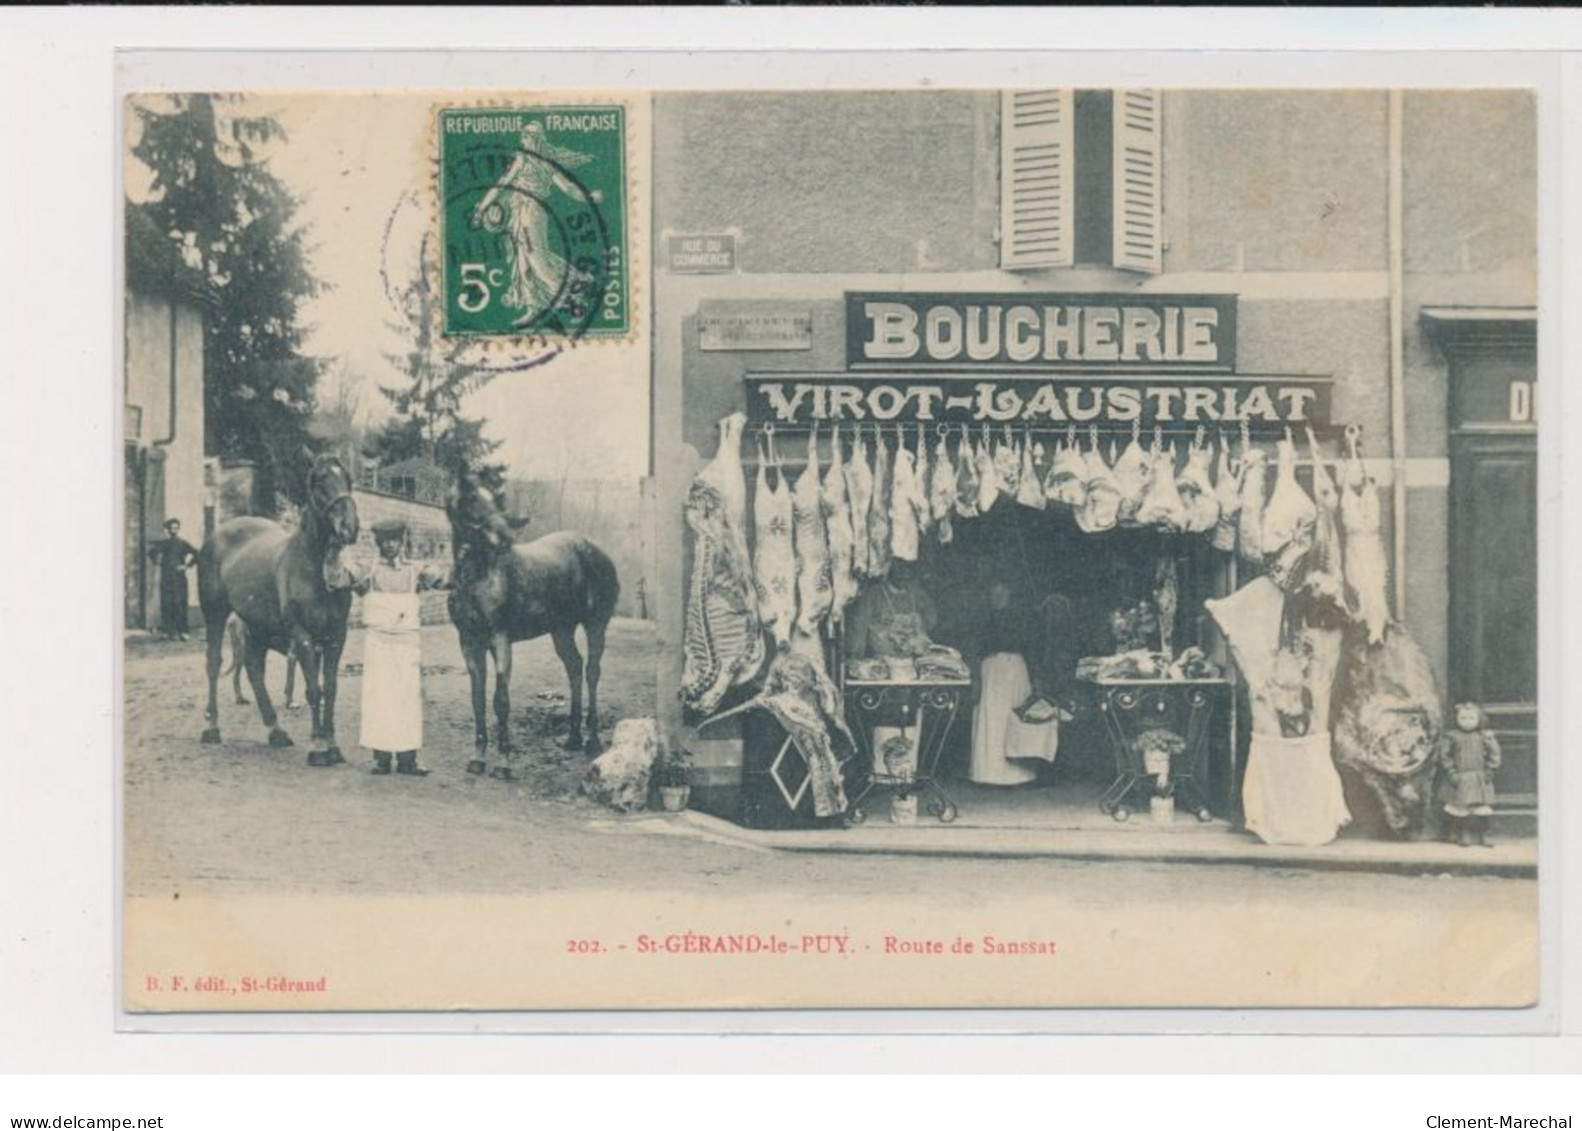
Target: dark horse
point(288, 589)
point(502, 593)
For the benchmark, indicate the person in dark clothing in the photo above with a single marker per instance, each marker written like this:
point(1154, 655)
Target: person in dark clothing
point(174, 556)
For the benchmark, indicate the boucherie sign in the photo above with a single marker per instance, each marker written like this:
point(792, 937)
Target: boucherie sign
point(1041, 331)
point(1172, 401)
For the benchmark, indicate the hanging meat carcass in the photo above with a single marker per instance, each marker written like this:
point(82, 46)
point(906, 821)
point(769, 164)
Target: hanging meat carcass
point(923, 478)
point(1249, 527)
point(989, 484)
point(722, 641)
point(1162, 506)
point(906, 503)
point(1288, 519)
point(1067, 481)
point(1367, 570)
point(859, 494)
point(1196, 488)
point(808, 706)
point(966, 477)
point(1324, 579)
point(1008, 463)
point(879, 509)
point(1029, 492)
point(774, 556)
point(1227, 494)
point(942, 490)
point(814, 585)
point(838, 533)
point(1100, 508)
point(1387, 712)
point(1132, 473)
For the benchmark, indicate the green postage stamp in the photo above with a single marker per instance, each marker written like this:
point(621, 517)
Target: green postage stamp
point(533, 221)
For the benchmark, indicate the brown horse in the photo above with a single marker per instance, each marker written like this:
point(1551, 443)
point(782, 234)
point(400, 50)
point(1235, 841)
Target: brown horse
point(502, 593)
point(289, 589)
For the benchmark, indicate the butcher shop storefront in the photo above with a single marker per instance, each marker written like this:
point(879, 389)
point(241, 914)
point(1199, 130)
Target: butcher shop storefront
point(1041, 556)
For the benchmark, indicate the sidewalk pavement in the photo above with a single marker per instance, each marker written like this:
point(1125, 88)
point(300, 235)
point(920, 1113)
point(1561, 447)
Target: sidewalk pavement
point(1184, 842)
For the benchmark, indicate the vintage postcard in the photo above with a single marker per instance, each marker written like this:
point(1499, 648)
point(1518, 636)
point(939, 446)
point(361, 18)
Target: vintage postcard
point(801, 549)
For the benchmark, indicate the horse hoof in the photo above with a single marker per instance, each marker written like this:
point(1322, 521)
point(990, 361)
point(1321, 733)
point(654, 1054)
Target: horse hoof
point(593, 748)
point(574, 742)
point(211, 737)
point(243, 701)
point(477, 766)
point(319, 758)
point(503, 773)
point(333, 756)
point(280, 738)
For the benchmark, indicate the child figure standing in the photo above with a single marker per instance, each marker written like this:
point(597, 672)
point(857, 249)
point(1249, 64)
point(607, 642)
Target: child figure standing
point(392, 707)
point(1468, 756)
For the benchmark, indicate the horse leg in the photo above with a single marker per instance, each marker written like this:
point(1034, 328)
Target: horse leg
point(566, 648)
point(291, 682)
point(330, 683)
point(237, 634)
point(310, 659)
point(595, 662)
point(214, 627)
point(256, 651)
point(500, 649)
point(478, 673)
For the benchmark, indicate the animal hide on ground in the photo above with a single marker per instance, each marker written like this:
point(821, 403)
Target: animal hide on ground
point(619, 777)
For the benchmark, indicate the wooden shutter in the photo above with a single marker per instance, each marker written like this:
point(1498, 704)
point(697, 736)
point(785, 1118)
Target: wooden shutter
point(1035, 178)
point(1139, 242)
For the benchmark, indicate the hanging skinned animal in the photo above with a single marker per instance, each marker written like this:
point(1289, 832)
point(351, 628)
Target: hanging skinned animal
point(722, 640)
point(879, 512)
point(1249, 528)
point(1029, 492)
point(838, 533)
point(1067, 481)
point(1132, 474)
point(774, 555)
point(989, 485)
point(1387, 712)
point(942, 490)
point(905, 527)
point(966, 477)
point(1367, 569)
point(922, 477)
point(1162, 506)
point(859, 493)
point(1008, 464)
point(1167, 599)
point(814, 588)
point(1324, 579)
point(1227, 494)
point(1196, 488)
point(1287, 520)
point(808, 707)
point(1101, 502)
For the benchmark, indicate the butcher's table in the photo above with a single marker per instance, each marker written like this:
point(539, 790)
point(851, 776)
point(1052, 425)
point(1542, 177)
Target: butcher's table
point(929, 705)
point(1132, 708)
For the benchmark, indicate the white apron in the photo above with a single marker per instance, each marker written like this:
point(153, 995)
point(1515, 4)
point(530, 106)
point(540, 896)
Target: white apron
point(392, 715)
point(1291, 793)
point(998, 754)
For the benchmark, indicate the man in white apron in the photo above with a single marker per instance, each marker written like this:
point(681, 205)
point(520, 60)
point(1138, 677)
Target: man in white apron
point(392, 707)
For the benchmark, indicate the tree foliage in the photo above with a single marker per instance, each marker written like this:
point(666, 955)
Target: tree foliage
point(428, 421)
point(218, 226)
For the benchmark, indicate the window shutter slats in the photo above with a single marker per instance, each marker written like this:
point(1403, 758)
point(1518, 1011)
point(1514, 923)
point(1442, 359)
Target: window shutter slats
point(1036, 179)
point(1139, 240)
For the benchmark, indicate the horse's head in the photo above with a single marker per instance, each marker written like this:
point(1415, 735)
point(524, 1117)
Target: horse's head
point(330, 500)
point(476, 516)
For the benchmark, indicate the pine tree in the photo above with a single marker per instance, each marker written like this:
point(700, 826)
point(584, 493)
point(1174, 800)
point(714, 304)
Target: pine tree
point(428, 422)
point(220, 227)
